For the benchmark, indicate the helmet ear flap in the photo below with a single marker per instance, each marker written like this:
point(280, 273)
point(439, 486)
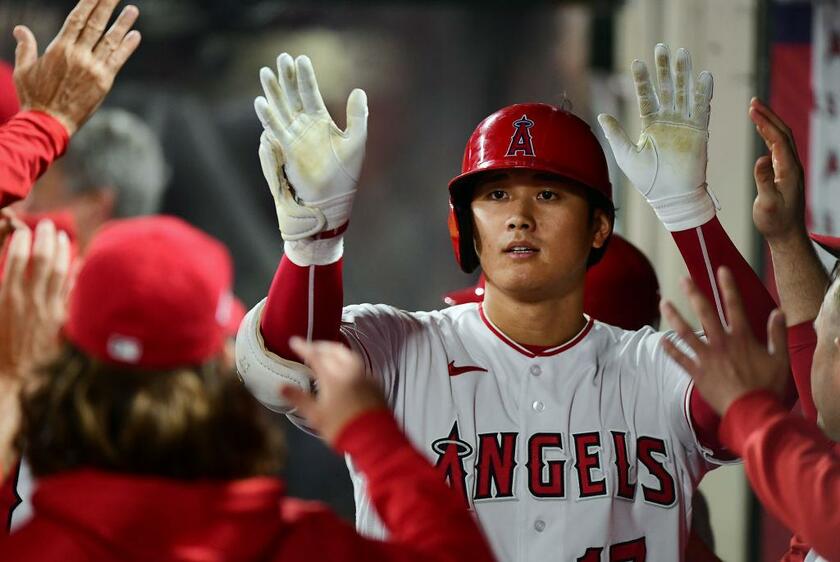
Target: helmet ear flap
point(468, 259)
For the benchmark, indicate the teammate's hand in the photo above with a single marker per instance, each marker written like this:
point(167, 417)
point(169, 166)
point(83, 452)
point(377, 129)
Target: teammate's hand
point(668, 163)
point(78, 67)
point(33, 298)
point(344, 392)
point(779, 207)
point(320, 161)
point(731, 362)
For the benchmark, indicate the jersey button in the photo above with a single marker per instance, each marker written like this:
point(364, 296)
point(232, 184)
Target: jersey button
point(538, 406)
point(539, 525)
point(535, 370)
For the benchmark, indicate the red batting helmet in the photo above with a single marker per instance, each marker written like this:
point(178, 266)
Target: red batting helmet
point(529, 136)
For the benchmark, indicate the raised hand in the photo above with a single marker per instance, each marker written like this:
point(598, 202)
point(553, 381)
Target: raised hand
point(76, 71)
point(731, 362)
point(668, 163)
point(315, 163)
point(33, 298)
point(344, 392)
point(779, 207)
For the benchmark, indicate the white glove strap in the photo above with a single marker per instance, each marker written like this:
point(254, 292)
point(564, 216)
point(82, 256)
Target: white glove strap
point(686, 211)
point(263, 372)
point(336, 209)
point(314, 252)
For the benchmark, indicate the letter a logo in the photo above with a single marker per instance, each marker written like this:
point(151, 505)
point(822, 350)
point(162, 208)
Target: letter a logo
point(521, 141)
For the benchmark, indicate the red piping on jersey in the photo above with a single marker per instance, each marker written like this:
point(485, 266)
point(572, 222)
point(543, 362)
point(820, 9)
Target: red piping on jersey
point(548, 352)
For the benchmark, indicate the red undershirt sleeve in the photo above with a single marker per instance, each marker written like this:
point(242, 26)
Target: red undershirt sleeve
point(704, 249)
point(793, 467)
point(305, 302)
point(29, 142)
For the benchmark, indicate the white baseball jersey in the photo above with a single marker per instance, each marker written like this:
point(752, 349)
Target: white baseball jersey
point(583, 452)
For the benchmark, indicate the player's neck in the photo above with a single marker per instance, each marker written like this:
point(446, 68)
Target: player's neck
point(547, 323)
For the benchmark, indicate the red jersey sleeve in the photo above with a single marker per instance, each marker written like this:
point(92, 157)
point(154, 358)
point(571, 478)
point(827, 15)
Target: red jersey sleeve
point(792, 466)
point(29, 142)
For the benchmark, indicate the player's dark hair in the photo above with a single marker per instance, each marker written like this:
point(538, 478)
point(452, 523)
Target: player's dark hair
point(186, 423)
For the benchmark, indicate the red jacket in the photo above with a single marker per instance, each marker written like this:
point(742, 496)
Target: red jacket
point(97, 517)
point(29, 142)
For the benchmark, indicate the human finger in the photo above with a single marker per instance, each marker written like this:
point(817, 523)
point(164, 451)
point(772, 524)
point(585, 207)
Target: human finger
point(682, 90)
point(664, 77)
point(764, 176)
point(288, 81)
point(26, 50)
point(17, 256)
point(777, 334)
point(117, 32)
point(43, 252)
point(710, 318)
point(648, 101)
point(124, 50)
point(733, 303)
point(303, 402)
point(275, 96)
point(310, 95)
point(771, 116)
point(96, 23)
point(681, 358)
point(775, 138)
point(60, 269)
point(75, 21)
point(681, 327)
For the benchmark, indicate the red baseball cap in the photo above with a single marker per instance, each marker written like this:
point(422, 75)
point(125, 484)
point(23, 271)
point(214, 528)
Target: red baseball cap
point(9, 104)
point(153, 292)
point(621, 289)
point(830, 244)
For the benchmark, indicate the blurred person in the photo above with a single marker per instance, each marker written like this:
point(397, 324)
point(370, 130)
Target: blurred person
point(526, 406)
point(148, 448)
point(114, 168)
point(59, 90)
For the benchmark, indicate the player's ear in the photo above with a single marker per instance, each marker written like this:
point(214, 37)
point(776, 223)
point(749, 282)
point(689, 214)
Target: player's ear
point(601, 227)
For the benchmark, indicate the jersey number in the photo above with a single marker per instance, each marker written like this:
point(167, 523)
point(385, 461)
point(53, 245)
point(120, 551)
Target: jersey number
point(630, 551)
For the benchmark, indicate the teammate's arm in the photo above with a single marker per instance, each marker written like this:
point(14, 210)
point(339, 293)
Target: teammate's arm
point(668, 166)
point(424, 518)
point(59, 90)
point(791, 465)
point(312, 169)
point(779, 214)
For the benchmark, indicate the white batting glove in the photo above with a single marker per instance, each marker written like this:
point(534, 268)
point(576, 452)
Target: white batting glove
point(668, 164)
point(311, 165)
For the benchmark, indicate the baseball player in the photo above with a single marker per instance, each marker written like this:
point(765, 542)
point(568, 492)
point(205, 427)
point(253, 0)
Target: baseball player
point(569, 438)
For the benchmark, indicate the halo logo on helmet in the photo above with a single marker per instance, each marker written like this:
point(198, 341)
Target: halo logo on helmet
point(521, 141)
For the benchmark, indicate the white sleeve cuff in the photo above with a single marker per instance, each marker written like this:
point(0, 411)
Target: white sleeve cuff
point(314, 252)
point(686, 211)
